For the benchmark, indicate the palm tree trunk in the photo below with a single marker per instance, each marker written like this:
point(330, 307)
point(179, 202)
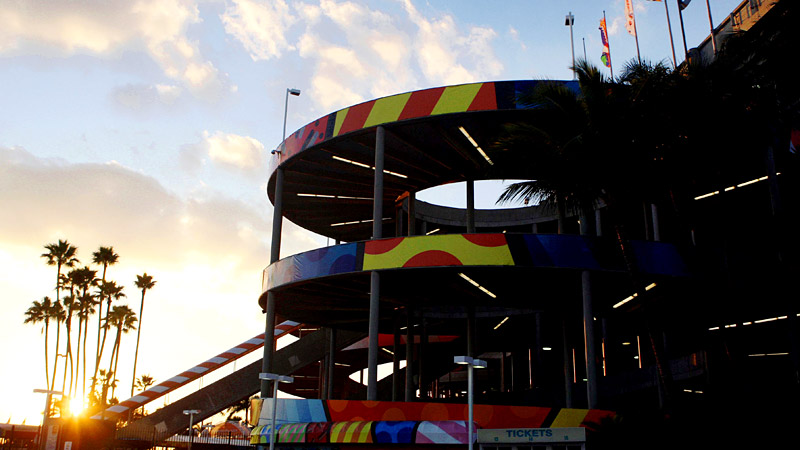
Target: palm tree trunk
point(46, 358)
point(138, 336)
point(55, 360)
point(85, 333)
point(77, 370)
point(116, 359)
point(99, 327)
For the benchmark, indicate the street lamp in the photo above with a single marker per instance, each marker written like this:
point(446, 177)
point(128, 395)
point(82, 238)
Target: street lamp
point(296, 93)
point(43, 432)
point(470, 363)
point(191, 413)
point(275, 380)
point(569, 21)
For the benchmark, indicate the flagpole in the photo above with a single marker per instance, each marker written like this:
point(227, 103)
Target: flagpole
point(711, 26)
point(608, 40)
point(683, 32)
point(671, 39)
point(636, 33)
point(584, 49)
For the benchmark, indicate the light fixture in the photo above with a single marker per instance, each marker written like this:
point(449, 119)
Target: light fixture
point(475, 144)
point(474, 283)
point(275, 378)
point(367, 166)
point(471, 363)
point(296, 93)
point(501, 323)
point(191, 413)
point(432, 231)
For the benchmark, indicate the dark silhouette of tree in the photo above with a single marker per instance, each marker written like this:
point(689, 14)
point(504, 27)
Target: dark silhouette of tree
point(143, 282)
point(40, 312)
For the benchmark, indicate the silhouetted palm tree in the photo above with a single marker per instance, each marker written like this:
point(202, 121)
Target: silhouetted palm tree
point(143, 282)
point(57, 314)
point(110, 291)
point(40, 312)
point(60, 254)
point(105, 257)
point(124, 320)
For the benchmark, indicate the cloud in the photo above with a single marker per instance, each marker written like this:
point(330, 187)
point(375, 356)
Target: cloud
point(107, 28)
point(448, 56)
point(241, 152)
point(515, 36)
point(142, 98)
point(108, 203)
point(260, 27)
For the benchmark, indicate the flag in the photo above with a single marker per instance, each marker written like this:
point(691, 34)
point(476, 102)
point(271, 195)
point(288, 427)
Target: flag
point(606, 56)
point(682, 4)
point(630, 25)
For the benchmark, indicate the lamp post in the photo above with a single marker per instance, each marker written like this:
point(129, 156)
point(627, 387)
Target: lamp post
point(569, 21)
point(471, 364)
point(275, 380)
point(191, 413)
point(46, 415)
point(296, 93)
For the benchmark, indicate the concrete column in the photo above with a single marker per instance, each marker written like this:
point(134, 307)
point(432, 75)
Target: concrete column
point(374, 294)
point(590, 351)
point(396, 359)
point(412, 213)
point(470, 206)
point(423, 343)
point(409, 355)
point(656, 226)
point(567, 365)
point(471, 330)
point(275, 254)
point(598, 222)
point(331, 361)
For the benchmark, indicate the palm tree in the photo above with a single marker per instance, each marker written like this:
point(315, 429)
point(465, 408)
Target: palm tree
point(40, 312)
point(58, 314)
point(105, 257)
point(124, 320)
point(142, 384)
point(86, 307)
point(143, 282)
point(110, 291)
point(60, 254)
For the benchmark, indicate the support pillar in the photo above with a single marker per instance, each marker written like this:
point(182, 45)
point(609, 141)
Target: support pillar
point(412, 213)
point(331, 362)
point(409, 391)
point(423, 343)
point(470, 207)
point(374, 294)
point(567, 365)
point(396, 359)
point(275, 254)
point(590, 351)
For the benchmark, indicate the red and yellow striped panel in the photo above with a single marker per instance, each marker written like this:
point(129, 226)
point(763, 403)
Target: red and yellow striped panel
point(409, 105)
point(444, 250)
point(352, 432)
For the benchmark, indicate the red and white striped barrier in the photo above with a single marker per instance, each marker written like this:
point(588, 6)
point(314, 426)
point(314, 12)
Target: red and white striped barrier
point(195, 372)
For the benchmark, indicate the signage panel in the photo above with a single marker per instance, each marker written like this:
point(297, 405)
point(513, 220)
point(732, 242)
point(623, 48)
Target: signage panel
point(544, 435)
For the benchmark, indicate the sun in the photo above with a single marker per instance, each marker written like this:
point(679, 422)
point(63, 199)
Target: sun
point(76, 406)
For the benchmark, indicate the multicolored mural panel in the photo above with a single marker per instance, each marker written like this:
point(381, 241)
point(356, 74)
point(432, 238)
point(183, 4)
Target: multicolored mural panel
point(495, 249)
point(352, 421)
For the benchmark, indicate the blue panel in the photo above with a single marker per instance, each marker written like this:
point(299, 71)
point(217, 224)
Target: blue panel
point(391, 432)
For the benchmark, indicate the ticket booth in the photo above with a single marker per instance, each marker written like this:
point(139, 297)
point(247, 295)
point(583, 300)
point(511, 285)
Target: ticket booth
point(532, 439)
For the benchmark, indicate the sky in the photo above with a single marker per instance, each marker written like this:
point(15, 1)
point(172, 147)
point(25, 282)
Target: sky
point(147, 125)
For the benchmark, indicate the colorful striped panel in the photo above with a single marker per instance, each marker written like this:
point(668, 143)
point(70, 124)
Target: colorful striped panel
point(292, 432)
point(444, 250)
point(569, 418)
point(352, 432)
point(485, 96)
point(444, 432)
point(195, 372)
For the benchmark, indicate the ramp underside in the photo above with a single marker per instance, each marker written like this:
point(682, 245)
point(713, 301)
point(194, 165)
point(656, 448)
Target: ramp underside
point(240, 385)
